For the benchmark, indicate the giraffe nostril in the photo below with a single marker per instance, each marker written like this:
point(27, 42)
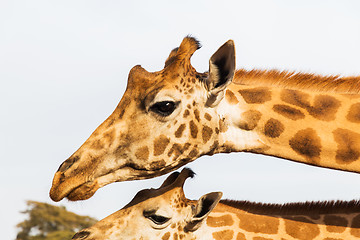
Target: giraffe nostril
point(81, 235)
point(67, 164)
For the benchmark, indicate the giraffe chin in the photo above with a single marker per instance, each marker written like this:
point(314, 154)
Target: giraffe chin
point(83, 192)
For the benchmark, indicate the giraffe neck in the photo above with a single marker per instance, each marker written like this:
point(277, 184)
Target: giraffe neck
point(244, 220)
point(317, 128)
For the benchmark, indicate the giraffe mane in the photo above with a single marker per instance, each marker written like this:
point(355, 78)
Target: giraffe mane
point(297, 208)
point(298, 80)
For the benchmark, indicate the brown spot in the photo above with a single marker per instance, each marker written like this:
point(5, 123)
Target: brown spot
point(124, 103)
point(207, 116)
point(335, 223)
point(193, 153)
point(197, 115)
point(221, 221)
point(301, 228)
point(109, 136)
point(160, 145)
point(110, 122)
point(354, 113)
point(157, 165)
point(193, 129)
point(333, 238)
point(295, 97)
point(108, 225)
point(166, 236)
point(230, 97)
point(179, 131)
point(258, 224)
point(213, 148)
point(175, 236)
point(307, 143)
point(97, 144)
point(314, 216)
point(273, 128)
point(256, 95)
point(206, 133)
point(261, 238)
point(188, 106)
point(142, 153)
point(222, 125)
point(348, 143)
point(324, 108)
point(355, 226)
point(288, 112)
point(249, 120)
point(240, 236)
point(186, 113)
point(177, 150)
point(223, 235)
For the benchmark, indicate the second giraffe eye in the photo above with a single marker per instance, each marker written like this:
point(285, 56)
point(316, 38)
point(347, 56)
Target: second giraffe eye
point(164, 108)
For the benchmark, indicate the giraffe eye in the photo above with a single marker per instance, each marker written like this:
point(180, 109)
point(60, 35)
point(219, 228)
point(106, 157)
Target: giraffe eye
point(157, 219)
point(164, 108)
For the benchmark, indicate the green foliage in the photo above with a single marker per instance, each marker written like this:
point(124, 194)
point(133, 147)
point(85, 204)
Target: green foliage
point(49, 222)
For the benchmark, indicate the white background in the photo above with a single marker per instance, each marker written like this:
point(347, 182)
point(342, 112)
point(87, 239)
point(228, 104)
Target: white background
point(64, 66)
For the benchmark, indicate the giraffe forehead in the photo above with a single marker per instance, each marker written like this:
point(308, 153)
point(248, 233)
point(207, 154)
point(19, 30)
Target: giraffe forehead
point(184, 89)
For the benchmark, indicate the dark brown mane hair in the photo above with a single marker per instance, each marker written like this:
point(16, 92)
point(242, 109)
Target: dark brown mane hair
point(299, 208)
point(298, 80)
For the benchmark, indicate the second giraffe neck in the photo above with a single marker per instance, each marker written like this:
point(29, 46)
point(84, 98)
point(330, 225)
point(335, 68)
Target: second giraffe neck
point(317, 221)
point(316, 128)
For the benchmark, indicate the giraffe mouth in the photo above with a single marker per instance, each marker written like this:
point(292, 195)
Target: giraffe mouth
point(77, 188)
point(73, 188)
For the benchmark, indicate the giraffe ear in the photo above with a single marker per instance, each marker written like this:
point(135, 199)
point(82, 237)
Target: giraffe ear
point(202, 209)
point(221, 72)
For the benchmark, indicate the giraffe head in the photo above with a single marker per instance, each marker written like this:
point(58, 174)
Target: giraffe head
point(162, 213)
point(164, 120)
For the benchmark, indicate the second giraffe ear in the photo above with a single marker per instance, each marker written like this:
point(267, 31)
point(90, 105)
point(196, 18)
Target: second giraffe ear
point(202, 209)
point(221, 72)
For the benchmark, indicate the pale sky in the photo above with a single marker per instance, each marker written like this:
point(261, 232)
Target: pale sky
point(64, 67)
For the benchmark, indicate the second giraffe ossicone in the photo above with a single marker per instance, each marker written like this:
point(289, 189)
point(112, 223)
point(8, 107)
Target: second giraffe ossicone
point(165, 213)
point(169, 118)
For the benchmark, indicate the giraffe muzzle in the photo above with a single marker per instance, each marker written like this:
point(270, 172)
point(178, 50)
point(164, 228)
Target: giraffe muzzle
point(74, 188)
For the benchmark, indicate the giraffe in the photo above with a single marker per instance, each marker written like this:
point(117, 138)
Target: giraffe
point(171, 117)
point(165, 213)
